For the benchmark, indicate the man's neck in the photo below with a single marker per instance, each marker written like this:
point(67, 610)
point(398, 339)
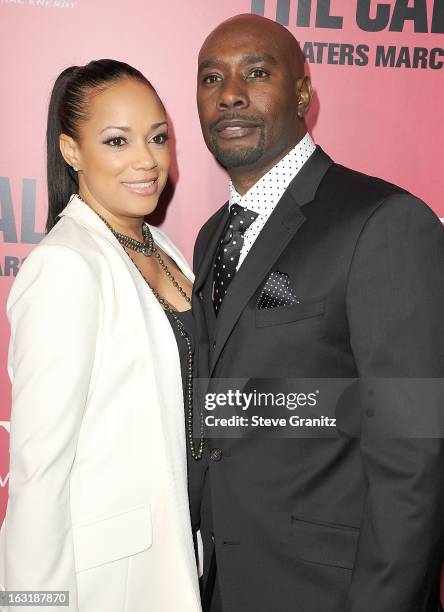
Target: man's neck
point(244, 177)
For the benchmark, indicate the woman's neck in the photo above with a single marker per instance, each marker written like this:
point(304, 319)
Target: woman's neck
point(129, 226)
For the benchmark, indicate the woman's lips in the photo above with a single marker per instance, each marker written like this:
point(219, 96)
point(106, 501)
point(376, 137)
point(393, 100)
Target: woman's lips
point(144, 189)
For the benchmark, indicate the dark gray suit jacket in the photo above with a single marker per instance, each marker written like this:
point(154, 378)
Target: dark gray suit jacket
point(345, 524)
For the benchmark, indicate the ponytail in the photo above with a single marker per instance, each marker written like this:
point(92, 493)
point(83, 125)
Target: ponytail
point(62, 179)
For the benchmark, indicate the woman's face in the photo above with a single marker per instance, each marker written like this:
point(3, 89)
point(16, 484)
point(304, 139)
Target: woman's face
point(122, 150)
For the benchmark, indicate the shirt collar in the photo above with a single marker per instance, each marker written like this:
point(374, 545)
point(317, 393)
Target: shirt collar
point(270, 187)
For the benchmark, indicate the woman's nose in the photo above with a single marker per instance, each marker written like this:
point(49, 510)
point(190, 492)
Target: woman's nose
point(145, 159)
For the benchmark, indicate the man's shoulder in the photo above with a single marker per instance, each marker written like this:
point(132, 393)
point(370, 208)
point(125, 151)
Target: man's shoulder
point(360, 195)
point(355, 183)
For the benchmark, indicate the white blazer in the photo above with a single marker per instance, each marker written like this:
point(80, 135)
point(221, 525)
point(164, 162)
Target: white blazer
point(98, 502)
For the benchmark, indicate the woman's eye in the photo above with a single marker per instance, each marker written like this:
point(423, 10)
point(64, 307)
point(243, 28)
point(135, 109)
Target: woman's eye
point(258, 73)
point(161, 139)
point(211, 78)
point(116, 141)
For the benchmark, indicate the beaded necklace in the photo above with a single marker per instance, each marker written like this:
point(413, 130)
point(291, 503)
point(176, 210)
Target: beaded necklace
point(148, 248)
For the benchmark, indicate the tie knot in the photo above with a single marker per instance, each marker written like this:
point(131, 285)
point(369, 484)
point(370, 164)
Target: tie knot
point(240, 218)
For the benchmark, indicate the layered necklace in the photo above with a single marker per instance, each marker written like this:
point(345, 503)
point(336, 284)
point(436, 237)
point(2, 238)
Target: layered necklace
point(148, 248)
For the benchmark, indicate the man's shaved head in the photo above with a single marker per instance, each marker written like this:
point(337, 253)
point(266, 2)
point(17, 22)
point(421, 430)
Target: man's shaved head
point(252, 95)
point(279, 38)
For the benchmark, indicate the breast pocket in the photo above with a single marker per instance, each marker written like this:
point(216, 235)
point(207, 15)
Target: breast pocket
point(113, 537)
point(289, 314)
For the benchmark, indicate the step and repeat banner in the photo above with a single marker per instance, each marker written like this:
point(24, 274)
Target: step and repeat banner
point(377, 68)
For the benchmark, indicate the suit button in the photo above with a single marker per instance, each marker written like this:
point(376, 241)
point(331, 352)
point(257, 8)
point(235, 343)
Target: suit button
point(215, 454)
point(214, 344)
point(200, 295)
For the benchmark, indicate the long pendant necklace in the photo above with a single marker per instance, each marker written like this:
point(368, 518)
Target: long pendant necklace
point(148, 248)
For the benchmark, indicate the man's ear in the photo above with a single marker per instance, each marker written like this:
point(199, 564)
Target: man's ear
point(70, 151)
point(305, 94)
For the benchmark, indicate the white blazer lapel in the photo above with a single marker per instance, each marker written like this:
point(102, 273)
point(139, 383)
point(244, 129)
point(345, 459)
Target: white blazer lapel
point(172, 251)
point(80, 211)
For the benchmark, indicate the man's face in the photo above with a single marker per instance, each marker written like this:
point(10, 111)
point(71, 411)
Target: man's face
point(247, 99)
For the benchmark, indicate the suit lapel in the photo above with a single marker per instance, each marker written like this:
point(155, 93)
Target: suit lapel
point(282, 225)
point(280, 228)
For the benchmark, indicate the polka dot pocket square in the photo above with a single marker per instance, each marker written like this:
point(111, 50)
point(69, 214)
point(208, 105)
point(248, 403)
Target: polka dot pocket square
point(277, 292)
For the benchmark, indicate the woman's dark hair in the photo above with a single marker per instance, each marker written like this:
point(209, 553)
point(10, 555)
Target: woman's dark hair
point(68, 107)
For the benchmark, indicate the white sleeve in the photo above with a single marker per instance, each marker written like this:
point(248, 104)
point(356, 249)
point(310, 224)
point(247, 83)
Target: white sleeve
point(54, 310)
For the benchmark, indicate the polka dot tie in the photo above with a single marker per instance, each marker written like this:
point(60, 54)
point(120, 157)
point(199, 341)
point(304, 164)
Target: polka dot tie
point(229, 250)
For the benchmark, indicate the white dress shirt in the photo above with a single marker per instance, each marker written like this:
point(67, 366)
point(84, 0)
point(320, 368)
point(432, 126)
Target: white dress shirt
point(266, 193)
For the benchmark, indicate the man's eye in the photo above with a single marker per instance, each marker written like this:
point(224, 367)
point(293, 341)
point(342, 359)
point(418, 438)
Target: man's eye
point(161, 139)
point(211, 78)
point(258, 73)
point(116, 141)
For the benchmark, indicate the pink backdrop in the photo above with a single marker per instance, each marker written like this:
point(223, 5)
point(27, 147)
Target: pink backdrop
point(383, 120)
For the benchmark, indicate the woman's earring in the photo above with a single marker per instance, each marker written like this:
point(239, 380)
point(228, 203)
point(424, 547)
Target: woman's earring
point(75, 168)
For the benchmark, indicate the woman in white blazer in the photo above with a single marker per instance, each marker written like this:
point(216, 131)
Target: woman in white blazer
point(98, 501)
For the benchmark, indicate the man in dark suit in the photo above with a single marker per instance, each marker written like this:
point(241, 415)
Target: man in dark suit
point(312, 270)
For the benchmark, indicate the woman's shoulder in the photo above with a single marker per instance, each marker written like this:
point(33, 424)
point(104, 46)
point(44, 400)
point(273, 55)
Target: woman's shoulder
point(66, 251)
point(70, 238)
point(67, 243)
point(67, 232)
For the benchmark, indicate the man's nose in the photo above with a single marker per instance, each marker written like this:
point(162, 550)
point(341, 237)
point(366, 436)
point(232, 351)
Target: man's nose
point(233, 95)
